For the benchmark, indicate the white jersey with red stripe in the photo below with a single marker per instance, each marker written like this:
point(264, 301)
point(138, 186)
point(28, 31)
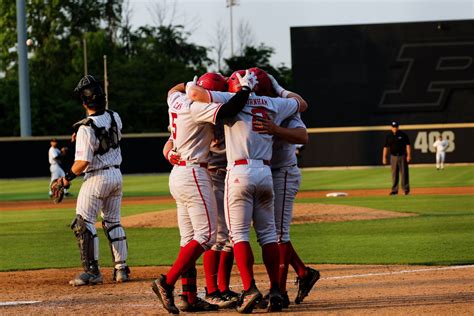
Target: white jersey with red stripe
point(191, 137)
point(284, 153)
point(242, 141)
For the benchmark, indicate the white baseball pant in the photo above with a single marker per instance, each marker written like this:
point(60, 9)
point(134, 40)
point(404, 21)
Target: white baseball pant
point(286, 183)
point(191, 187)
point(249, 196)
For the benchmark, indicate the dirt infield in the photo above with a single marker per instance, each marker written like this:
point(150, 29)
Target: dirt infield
point(342, 290)
point(71, 202)
point(302, 213)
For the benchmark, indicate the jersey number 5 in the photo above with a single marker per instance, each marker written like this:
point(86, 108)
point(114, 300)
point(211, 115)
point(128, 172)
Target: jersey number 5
point(258, 113)
point(174, 116)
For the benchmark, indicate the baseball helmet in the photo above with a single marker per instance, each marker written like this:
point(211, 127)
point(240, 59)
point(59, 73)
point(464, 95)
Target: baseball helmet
point(264, 85)
point(212, 81)
point(90, 91)
point(233, 82)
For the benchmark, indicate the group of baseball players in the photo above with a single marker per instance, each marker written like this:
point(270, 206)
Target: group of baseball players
point(232, 147)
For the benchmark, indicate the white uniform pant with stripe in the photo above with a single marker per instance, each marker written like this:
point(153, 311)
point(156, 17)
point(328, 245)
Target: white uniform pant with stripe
point(102, 191)
point(249, 197)
point(56, 172)
point(440, 156)
point(223, 242)
point(286, 182)
point(191, 187)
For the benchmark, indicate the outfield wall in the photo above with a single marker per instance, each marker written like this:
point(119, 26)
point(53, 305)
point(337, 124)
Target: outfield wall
point(327, 147)
point(363, 145)
point(28, 157)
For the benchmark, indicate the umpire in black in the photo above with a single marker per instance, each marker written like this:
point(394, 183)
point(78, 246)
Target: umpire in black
point(400, 155)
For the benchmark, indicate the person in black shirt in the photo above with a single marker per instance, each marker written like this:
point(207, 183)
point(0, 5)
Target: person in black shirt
point(400, 155)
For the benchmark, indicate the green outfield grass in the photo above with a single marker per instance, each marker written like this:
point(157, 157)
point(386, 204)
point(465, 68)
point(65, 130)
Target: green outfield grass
point(377, 178)
point(157, 184)
point(442, 233)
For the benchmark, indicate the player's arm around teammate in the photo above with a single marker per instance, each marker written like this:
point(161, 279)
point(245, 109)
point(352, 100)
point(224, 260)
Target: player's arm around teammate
point(190, 184)
point(197, 93)
point(298, 135)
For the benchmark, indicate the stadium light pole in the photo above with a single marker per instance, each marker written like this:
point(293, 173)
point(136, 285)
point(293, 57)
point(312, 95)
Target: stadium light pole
point(84, 50)
point(23, 76)
point(230, 4)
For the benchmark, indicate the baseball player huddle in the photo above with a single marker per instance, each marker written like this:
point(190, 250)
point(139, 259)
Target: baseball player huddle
point(232, 147)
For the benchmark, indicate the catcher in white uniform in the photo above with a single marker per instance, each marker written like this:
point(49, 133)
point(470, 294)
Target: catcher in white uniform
point(249, 186)
point(191, 185)
point(440, 145)
point(98, 156)
point(57, 172)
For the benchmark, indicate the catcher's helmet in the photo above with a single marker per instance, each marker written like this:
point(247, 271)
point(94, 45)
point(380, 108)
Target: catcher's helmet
point(264, 85)
point(213, 81)
point(90, 91)
point(233, 82)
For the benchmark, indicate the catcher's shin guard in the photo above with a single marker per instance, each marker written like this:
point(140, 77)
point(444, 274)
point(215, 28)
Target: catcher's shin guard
point(117, 241)
point(88, 243)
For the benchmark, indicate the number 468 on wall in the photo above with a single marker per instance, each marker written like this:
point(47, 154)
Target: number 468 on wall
point(424, 141)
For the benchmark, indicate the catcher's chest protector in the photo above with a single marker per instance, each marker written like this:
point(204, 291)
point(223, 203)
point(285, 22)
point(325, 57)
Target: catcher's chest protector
point(108, 138)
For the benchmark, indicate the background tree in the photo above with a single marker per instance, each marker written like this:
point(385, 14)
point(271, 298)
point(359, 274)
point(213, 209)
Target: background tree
point(219, 42)
point(143, 63)
point(245, 36)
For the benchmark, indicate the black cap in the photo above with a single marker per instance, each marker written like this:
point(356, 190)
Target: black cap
point(394, 124)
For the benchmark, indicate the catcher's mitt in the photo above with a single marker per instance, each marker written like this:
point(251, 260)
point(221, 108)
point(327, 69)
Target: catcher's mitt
point(57, 191)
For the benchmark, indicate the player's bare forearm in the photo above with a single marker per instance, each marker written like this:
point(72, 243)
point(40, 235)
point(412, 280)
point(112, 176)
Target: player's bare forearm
point(79, 166)
point(197, 93)
point(302, 102)
point(293, 135)
point(408, 153)
point(180, 87)
point(384, 156)
point(167, 147)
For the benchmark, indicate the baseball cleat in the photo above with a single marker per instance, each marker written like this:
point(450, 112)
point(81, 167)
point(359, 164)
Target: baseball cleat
point(306, 284)
point(263, 304)
point(276, 300)
point(216, 298)
point(199, 305)
point(230, 295)
point(121, 275)
point(286, 300)
point(164, 292)
point(86, 278)
point(248, 299)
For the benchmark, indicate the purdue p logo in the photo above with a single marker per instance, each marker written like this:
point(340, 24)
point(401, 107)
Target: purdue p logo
point(429, 71)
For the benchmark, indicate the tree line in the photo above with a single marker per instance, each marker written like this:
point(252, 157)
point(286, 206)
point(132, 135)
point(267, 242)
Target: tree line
point(143, 63)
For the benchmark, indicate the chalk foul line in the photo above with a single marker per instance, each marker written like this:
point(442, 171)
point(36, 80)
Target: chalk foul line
point(14, 303)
